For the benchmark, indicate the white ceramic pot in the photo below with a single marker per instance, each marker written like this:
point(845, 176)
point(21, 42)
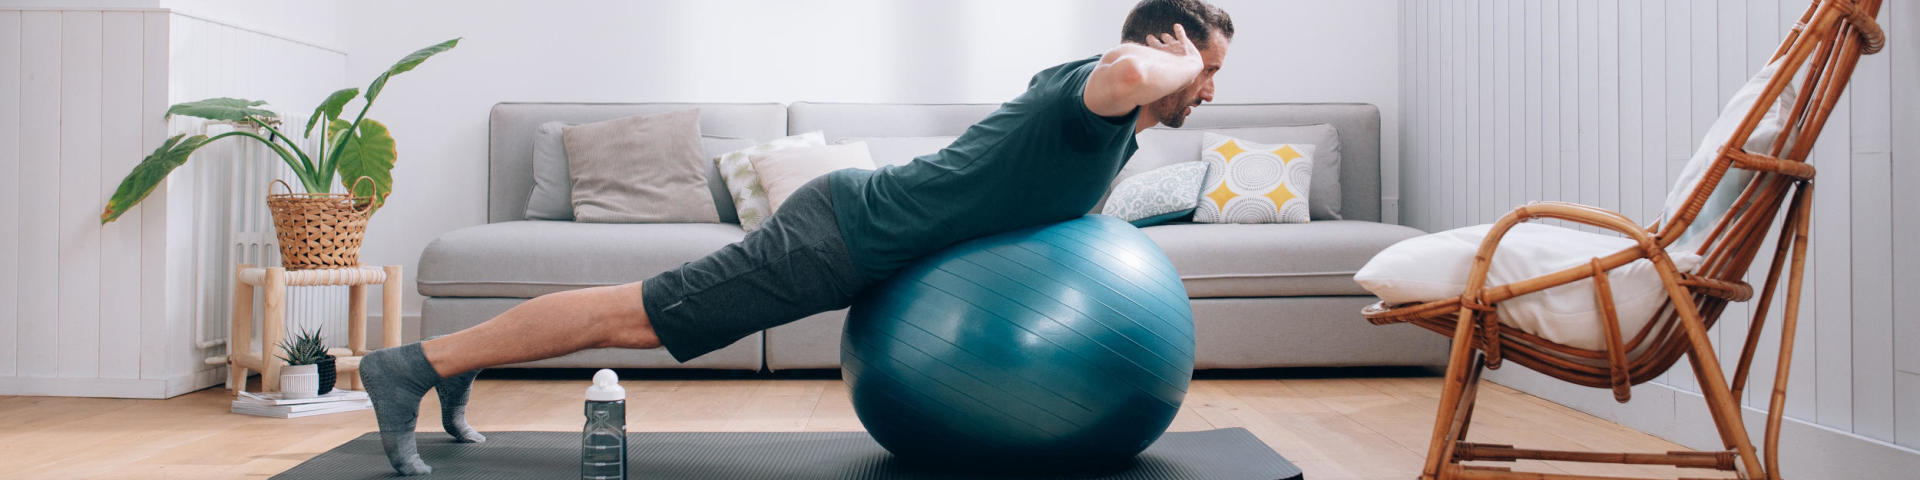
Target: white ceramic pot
point(299, 381)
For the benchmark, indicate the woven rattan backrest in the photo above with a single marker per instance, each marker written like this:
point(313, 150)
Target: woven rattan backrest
point(1819, 57)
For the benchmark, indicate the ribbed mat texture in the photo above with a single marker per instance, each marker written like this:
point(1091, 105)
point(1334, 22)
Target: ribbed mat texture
point(1224, 454)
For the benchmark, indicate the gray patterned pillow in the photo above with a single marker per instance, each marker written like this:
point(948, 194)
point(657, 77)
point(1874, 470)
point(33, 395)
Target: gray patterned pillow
point(1158, 195)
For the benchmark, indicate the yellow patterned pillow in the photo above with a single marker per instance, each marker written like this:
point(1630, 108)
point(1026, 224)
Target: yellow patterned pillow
point(1254, 183)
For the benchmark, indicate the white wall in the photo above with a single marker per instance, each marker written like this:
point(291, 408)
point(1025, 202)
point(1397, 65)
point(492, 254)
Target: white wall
point(785, 51)
point(1601, 102)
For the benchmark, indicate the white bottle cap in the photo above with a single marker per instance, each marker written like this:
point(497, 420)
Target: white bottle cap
point(606, 387)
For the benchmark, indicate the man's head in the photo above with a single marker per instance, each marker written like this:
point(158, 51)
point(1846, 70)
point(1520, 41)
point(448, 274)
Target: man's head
point(1207, 26)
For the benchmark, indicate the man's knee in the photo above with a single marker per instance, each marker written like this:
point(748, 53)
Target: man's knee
point(624, 314)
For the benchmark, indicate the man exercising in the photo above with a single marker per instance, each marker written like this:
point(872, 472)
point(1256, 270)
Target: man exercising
point(1046, 156)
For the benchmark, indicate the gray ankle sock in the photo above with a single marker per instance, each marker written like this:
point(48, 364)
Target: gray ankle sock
point(453, 407)
point(396, 378)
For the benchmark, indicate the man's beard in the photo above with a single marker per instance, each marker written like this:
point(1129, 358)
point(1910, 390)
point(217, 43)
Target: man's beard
point(1173, 109)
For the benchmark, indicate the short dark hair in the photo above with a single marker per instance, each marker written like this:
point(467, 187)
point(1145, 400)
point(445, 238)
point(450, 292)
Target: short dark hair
point(1153, 17)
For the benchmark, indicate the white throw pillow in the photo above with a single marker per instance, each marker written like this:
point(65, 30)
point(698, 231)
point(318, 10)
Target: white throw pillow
point(743, 183)
point(1158, 195)
point(785, 171)
point(1251, 182)
point(1736, 179)
point(1434, 267)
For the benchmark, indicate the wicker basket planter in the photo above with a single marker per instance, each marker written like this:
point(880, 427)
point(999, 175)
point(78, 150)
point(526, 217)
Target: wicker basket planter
point(319, 230)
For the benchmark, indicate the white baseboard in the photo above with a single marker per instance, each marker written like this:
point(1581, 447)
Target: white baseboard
point(155, 388)
point(1807, 450)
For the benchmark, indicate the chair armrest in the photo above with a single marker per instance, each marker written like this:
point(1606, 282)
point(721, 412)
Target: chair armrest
point(1648, 245)
point(1476, 295)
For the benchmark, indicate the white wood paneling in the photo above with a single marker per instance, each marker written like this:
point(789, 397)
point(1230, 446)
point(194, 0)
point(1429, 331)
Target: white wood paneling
point(1623, 92)
point(1904, 17)
point(121, 73)
point(9, 189)
point(39, 231)
point(1872, 242)
point(1630, 153)
point(91, 309)
point(153, 233)
point(1587, 83)
point(1906, 424)
point(80, 199)
point(1832, 279)
point(1606, 39)
point(1554, 97)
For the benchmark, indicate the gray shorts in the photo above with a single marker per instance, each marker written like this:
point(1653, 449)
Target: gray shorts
point(795, 265)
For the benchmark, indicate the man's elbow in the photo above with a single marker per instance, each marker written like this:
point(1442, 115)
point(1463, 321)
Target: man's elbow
point(1129, 73)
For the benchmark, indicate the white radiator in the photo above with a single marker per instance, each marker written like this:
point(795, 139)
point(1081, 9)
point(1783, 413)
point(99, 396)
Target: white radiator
point(233, 226)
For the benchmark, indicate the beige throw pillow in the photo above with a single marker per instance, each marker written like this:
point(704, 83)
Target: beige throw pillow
point(784, 171)
point(640, 169)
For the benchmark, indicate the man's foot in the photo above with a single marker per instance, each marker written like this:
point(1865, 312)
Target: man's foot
point(453, 407)
point(396, 379)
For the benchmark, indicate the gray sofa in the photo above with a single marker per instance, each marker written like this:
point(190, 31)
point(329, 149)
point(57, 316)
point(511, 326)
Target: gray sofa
point(1263, 295)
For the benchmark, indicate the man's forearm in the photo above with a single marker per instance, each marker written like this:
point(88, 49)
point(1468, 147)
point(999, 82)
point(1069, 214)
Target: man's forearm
point(1158, 73)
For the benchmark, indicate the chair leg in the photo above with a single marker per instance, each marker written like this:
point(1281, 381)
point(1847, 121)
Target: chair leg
point(1706, 367)
point(1469, 399)
point(390, 300)
point(1460, 364)
point(356, 329)
point(273, 326)
point(240, 331)
point(1724, 409)
point(1777, 403)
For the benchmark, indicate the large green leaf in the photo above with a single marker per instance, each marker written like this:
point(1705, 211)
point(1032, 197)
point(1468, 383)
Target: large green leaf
point(407, 63)
point(225, 109)
point(335, 126)
point(330, 108)
point(368, 152)
point(147, 175)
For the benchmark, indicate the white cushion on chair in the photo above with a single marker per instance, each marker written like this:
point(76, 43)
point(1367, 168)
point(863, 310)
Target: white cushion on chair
point(1435, 267)
point(1736, 179)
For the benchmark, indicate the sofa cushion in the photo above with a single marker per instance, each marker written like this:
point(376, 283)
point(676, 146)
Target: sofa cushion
point(529, 258)
point(1275, 259)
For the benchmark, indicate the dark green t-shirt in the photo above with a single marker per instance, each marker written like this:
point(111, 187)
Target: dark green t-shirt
point(1040, 158)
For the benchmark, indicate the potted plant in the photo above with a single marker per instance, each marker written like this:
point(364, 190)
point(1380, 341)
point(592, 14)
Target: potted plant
point(309, 371)
point(316, 229)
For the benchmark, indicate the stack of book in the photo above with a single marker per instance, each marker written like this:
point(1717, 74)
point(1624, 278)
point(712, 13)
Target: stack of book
point(271, 405)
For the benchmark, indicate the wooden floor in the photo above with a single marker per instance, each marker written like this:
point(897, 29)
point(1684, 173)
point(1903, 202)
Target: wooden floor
point(1334, 428)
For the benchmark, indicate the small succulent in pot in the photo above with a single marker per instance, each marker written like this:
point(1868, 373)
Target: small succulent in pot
point(305, 350)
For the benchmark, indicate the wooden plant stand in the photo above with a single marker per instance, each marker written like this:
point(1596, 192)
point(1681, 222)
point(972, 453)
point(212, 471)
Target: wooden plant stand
point(241, 357)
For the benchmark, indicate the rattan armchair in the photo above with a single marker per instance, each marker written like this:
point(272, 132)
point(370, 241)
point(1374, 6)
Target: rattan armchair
point(1819, 54)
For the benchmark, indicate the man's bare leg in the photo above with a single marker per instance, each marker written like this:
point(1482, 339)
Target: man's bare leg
point(545, 327)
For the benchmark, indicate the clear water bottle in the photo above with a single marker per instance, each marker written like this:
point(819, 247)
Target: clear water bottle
point(603, 443)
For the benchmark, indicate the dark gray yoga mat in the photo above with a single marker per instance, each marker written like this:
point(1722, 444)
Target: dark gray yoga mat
point(1225, 454)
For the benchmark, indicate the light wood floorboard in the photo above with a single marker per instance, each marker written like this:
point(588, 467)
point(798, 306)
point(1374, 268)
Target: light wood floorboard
point(1334, 428)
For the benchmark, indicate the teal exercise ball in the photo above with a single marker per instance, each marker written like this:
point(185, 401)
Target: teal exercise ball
point(1061, 346)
